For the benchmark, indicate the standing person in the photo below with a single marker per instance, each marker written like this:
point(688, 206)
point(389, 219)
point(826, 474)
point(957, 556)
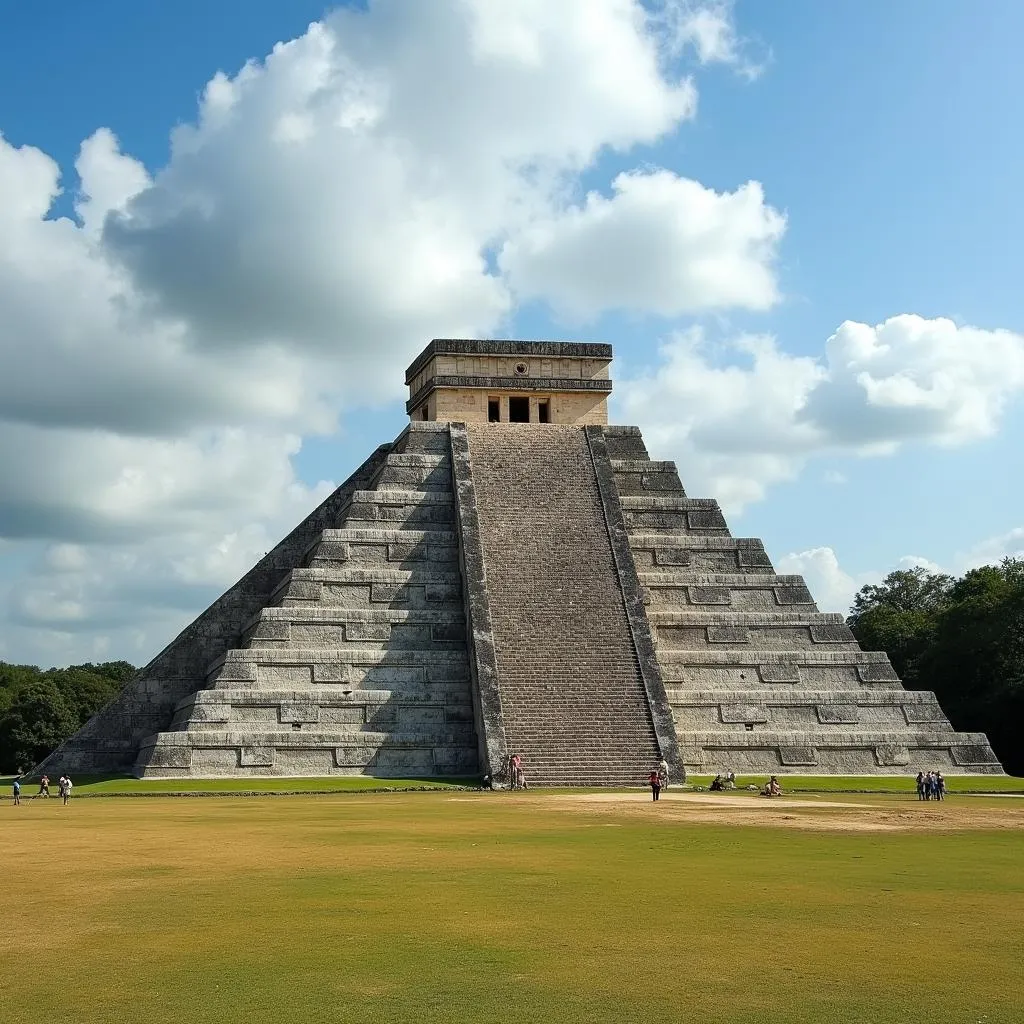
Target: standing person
point(654, 780)
point(517, 777)
point(44, 787)
point(16, 786)
point(920, 785)
point(940, 786)
point(663, 773)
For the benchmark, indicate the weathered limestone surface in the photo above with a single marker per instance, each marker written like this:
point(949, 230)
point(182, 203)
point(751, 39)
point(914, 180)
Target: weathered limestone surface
point(474, 590)
point(110, 740)
point(572, 694)
point(358, 663)
point(758, 679)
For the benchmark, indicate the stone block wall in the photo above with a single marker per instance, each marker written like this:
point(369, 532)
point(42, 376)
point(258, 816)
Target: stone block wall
point(358, 663)
point(758, 679)
point(110, 740)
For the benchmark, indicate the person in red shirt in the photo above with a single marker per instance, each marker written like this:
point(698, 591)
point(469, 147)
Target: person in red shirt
point(655, 782)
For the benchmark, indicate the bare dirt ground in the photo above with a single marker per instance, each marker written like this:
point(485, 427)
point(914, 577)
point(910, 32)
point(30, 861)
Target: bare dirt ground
point(876, 813)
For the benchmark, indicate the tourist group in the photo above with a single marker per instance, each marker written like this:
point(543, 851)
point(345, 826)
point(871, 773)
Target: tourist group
point(931, 786)
point(64, 787)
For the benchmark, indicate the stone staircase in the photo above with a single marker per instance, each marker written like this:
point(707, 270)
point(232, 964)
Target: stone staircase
point(572, 697)
point(758, 679)
point(358, 662)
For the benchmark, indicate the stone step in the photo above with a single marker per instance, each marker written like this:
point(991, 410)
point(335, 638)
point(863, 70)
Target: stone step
point(337, 736)
point(296, 655)
point(683, 578)
point(723, 554)
point(673, 513)
point(555, 593)
point(794, 696)
point(313, 625)
point(414, 471)
point(403, 509)
point(338, 751)
point(625, 443)
point(369, 587)
point(311, 718)
point(754, 593)
point(326, 694)
point(729, 617)
point(641, 466)
point(391, 547)
point(866, 752)
point(751, 715)
point(378, 668)
point(428, 438)
point(740, 669)
point(333, 615)
point(696, 629)
point(636, 477)
point(418, 576)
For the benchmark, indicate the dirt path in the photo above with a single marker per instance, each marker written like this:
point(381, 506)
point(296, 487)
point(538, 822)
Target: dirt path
point(877, 814)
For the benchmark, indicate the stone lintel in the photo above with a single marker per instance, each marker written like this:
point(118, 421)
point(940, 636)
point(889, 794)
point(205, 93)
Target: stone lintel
point(487, 347)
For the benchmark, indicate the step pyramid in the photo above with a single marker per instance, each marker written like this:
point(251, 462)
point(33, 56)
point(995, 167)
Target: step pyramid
point(536, 585)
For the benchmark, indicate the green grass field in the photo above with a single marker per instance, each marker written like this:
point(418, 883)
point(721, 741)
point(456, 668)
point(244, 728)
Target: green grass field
point(104, 785)
point(460, 906)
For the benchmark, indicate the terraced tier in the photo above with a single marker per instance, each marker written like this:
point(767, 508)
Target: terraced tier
point(357, 662)
point(757, 678)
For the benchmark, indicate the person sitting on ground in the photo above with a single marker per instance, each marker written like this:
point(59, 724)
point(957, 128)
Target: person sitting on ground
point(716, 784)
point(772, 787)
point(730, 780)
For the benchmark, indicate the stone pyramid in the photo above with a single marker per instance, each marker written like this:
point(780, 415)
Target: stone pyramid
point(513, 575)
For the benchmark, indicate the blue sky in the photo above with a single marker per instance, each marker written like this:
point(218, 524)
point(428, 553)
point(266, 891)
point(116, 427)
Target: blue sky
point(886, 136)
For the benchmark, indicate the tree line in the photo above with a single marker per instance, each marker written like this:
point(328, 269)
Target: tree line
point(961, 637)
point(39, 709)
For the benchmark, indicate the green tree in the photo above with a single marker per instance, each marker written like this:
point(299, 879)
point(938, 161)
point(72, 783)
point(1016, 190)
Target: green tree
point(962, 638)
point(976, 662)
point(906, 590)
point(31, 718)
point(36, 721)
point(900, 616)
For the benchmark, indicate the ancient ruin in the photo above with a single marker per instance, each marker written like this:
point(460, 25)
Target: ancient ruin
point(513, 574)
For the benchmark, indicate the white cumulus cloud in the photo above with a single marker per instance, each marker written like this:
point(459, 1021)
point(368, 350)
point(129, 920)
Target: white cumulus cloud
point(331, 206)
point(661, 244)
point(744, 415)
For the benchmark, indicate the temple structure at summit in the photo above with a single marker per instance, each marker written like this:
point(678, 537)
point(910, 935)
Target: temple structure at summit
point(512, 574)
